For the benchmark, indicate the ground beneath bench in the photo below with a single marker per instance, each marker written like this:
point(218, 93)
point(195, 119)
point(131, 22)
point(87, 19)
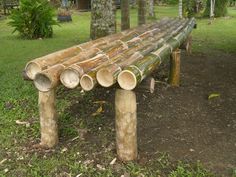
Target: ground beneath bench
point(182, 121)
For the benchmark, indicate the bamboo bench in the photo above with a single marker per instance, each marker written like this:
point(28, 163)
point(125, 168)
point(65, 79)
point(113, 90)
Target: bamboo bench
point(127, 58)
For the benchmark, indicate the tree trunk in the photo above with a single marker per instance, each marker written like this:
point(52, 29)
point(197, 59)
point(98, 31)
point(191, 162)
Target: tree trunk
point(151, 11)
point(125, 17)
point(102, 18)
point(180, 8)
point(141, 12)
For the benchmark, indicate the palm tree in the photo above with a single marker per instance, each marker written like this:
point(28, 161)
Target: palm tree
point(141, 12)
point(180, 9)
point(151, 11)
point(102, 18)
point(125, 17)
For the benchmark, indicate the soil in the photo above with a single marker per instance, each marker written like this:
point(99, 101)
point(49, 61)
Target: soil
point(182, 121)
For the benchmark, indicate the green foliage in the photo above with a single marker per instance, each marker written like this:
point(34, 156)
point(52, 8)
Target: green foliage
point(34, 19)
point(220, 8)
point(185, 170)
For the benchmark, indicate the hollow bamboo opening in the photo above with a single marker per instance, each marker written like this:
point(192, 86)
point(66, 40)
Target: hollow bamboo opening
point(70, 78)
point(86, 82)
point(32, 69)
point(105, 78)
point(42, 82)
point(127, 80)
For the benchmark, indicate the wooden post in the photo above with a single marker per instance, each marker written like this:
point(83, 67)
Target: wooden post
point(48, 119)
point(174, 76)
point(187, 45)
point(126, 125)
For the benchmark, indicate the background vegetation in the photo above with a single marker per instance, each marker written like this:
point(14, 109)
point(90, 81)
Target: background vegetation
point(18, 101)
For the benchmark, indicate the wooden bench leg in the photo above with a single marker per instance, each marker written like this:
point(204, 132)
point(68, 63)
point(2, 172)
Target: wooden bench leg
point(174, 76)
point(48, 119)
point(187, 45)
point(126, 125)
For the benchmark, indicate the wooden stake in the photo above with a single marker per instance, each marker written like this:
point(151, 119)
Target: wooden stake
point(126, 125)
point(187, 45)
point(48, 119)
point(174, 77)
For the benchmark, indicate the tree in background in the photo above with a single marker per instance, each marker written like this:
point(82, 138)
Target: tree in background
point(151, 8)
point(125, 17)
point(102, 18)
point(180, 9)
point(220, 8)
point(141, 12)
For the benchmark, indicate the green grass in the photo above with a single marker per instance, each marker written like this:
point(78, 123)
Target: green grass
point(18, 101)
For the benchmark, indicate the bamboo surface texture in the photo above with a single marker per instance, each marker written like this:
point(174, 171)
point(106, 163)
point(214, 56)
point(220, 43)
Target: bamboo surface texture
point(127, 57)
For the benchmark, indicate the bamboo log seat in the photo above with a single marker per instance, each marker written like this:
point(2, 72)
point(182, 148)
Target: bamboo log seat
point(126, 58)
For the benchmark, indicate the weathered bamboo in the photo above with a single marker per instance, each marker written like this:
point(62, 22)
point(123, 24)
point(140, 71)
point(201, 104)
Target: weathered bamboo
point(126, 125)
point(39, 64)
point(134, 74)
point(174, 75)
point(49, 78)
point(48, 119)
point(70, 77)
point(107, 76)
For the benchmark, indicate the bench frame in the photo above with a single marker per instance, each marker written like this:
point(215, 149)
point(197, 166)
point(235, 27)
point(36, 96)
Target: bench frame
point(126, 113)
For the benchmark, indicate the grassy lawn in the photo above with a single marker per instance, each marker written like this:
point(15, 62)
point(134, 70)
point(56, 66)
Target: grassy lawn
point(18, 101)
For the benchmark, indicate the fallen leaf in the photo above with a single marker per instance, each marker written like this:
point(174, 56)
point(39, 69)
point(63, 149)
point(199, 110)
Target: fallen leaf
point(113, 161)
point(64, 150)
point(18, 122)
point(213, 95)
point(4, 160)
point(99, 111)
point(99, 102)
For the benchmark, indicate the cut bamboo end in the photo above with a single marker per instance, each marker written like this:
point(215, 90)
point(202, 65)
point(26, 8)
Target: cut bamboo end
point(127, 80)
point(32, 69)
point(86, 82)
point(70, 78)
point(43, 82)
point(105, 78)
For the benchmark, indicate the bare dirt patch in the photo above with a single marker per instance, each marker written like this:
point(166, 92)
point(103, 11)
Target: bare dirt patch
point(182, 121)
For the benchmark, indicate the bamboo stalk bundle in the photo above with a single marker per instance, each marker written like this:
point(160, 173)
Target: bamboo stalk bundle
point(135, 73)
point(49, 78)
point(70, 77)
point(88, 80)
point(39, 64)
point(107, 76)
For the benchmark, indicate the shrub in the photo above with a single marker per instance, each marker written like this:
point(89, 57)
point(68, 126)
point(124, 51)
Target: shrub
point(34, 19)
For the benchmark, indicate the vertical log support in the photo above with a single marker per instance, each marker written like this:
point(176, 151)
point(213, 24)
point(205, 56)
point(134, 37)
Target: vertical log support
point(174, 76)
point(126, 125)
point(48, 119)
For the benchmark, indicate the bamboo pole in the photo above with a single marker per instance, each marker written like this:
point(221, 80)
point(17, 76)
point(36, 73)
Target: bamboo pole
point(70, 77)
point(49, 78)
point(42, 63)
point(107, 76)
point(174, 75)
point(126, 125)
point(48, 119)
point(135, 73)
